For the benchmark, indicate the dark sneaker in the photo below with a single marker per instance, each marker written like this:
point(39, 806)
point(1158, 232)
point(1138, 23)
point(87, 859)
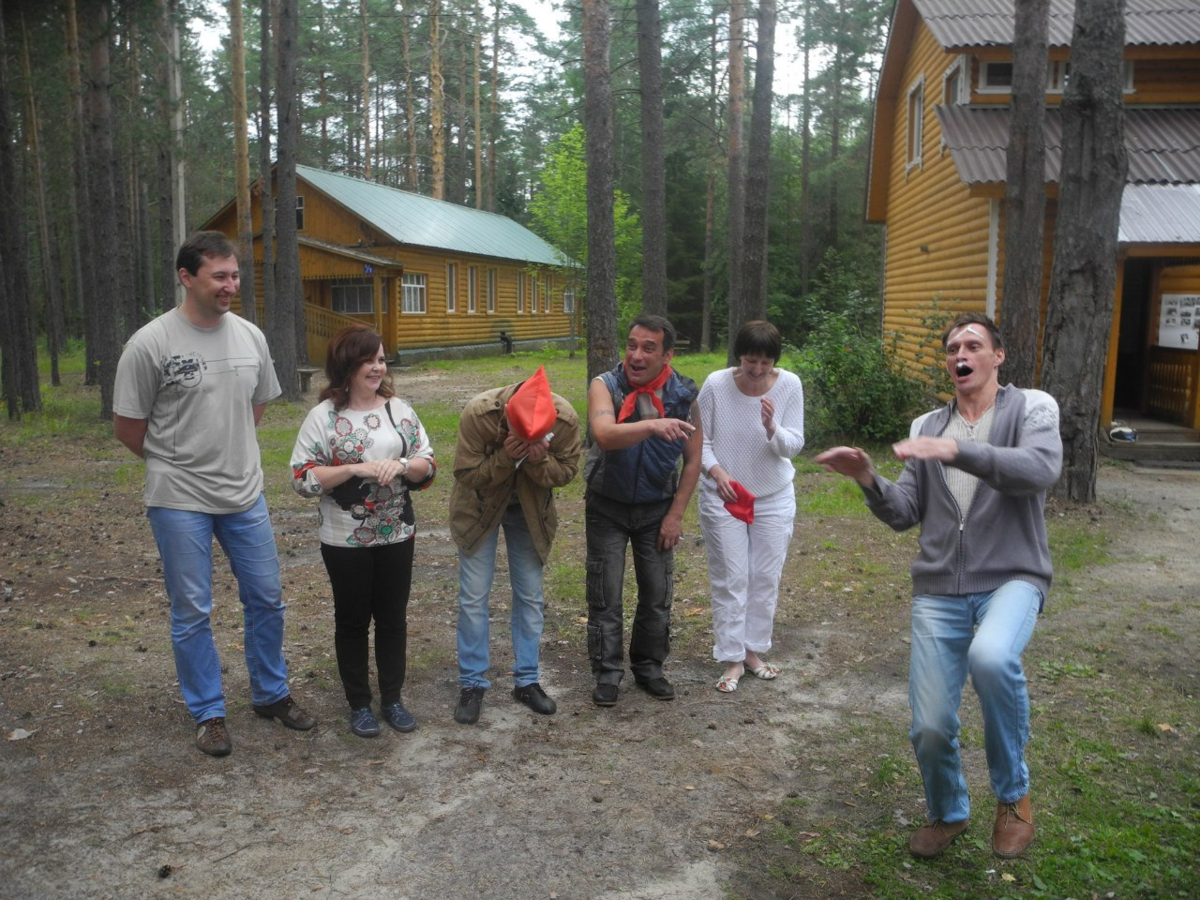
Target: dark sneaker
point(287, 712)
point(934, 837)
point(535, 698)
point(470, 701)
point(212, 737)
point(605, 694)
point(399, 718)
point(658, 688)
point(363, 722)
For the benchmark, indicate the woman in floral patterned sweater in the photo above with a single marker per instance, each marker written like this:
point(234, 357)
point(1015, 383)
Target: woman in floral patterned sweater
point(362, 450)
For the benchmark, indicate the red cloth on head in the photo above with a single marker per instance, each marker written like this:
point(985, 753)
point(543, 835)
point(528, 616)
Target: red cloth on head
point(743, 507)
point(531, 412)
point(630, 403)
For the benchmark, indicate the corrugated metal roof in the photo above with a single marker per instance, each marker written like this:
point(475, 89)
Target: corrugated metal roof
point(989, 23)
point(1160, 214)
point(1163, 144)
point(410, 218)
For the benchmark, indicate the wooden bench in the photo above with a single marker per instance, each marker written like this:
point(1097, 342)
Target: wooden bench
point(306, 373)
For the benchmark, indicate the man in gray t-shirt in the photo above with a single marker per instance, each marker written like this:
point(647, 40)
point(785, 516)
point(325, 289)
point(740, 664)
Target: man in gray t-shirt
point(191, 387)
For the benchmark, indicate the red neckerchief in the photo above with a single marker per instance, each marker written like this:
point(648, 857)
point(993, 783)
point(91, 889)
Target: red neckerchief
point(630, 403)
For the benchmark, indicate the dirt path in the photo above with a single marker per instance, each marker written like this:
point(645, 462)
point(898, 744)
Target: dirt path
point(104, 795)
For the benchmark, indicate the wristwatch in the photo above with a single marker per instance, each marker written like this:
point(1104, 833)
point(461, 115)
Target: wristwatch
point(404, 462)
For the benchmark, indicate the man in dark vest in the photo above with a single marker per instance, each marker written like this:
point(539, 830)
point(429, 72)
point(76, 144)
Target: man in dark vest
point(640, 416)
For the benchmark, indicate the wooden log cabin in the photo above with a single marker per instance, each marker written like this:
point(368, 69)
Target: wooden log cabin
point(937, 178)
point(433, 278)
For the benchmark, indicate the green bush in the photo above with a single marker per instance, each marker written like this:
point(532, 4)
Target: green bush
point(854, 390)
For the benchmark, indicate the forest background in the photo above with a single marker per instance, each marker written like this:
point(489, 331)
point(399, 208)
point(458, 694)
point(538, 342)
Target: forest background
point(119, 135)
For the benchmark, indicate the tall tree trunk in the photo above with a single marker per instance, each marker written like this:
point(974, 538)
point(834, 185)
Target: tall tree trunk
point(413, 169)
point(18, 343)
point(101, 308)
point(736, 175)
point(366, 90)
point(806, 222)
point(602, 351)
point(478, 111)
point(84, 260)
point(178, 175)
point(266, 177)
point(437, 100)
point(55, 323)
point(289, 298)
point(1083, 279)
point(241, 154)
point(165, 162)
point(654, 179)
point(494, 114)
point(710, 207)
point(835, 124)
point(754, 258)
point(1025, 194)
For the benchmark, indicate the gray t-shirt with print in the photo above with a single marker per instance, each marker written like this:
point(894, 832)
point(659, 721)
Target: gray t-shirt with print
point(198, 388)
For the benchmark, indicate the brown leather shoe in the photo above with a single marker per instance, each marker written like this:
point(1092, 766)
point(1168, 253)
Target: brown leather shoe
point(1013, 832)
point(934, 837)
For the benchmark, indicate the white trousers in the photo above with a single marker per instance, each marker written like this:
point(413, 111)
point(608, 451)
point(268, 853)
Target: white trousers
point(745, 564)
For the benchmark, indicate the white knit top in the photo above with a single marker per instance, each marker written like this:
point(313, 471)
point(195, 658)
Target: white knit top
point(735, 439)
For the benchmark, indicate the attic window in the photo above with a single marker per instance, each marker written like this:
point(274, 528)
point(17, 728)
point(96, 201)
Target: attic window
point(1059, 72)
point(954, 83)
point(995, 77)
point(299, 213)
point(916, 123)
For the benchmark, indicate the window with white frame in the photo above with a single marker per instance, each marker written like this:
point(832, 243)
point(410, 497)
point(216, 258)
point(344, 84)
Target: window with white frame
point(299, 213)
point(916, 123)
point(491, 290)
point(353, 296)
point(995, 77)
point(547, 290)
point(1059, 72)
point(533, 293)
point(520, 292)
point(451, 287)
point(472, 289)
point(954, 83)
point(412, 289)
point(569, 300)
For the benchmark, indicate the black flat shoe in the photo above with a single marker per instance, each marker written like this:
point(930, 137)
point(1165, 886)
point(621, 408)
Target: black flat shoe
point(535, 698)
point(658, 688)
point(605, 695)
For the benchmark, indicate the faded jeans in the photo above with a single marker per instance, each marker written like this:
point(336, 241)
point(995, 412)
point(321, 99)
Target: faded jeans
point(981, 635)
point(475, 575)
point(184, 541)
point(610, 526)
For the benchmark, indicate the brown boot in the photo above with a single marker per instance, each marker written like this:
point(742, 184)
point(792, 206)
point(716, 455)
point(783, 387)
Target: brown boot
point(934, 837)
point(1013, 832)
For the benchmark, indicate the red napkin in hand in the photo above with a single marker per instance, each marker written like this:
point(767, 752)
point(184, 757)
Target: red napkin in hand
point(743, 507)
point(531, 411)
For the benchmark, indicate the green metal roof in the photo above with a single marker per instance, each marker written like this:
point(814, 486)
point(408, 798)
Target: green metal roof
point(410, 218)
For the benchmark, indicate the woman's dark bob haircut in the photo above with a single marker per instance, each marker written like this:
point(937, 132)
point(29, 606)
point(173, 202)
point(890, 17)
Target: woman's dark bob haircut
point(758, 338)
point(349, 349)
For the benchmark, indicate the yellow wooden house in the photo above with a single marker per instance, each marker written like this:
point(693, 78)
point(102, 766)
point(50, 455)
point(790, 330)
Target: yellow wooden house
point(937, 178)
point(433, 278)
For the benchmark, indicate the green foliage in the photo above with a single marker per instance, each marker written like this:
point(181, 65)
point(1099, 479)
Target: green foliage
point(854, 390)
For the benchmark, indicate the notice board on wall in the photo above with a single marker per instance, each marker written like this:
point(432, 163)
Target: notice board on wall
point(1179, 321)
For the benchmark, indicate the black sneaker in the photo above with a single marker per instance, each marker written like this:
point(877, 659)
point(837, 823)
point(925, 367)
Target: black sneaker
point(212, 737)
point(470, 701)
point(535, 698)
point(658, 688)
point(363, 722)
point(287, 712)
point(605, 694)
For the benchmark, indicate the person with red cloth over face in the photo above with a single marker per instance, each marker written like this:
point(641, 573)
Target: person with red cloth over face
point(516, 444)
point(642, 425)
point(753, 420)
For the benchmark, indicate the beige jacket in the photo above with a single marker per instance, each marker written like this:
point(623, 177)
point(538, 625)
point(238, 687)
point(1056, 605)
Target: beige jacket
point(485, 477)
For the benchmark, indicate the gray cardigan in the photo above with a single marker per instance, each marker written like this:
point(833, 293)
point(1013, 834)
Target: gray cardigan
point(1002, 536)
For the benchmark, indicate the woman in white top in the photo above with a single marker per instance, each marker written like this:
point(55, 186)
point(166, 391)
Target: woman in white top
point(753, 421)
point(362, 450)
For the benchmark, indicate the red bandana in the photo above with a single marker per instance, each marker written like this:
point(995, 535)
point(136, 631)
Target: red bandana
point(630, 403)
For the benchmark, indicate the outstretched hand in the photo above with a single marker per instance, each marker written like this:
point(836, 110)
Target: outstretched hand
point(852, 462)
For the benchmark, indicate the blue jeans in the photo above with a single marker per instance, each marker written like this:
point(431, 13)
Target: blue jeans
point(184, 541)
point(475, 575)
point(982, 635)
point(610, 527)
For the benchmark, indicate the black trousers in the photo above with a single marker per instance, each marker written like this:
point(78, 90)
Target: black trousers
point(370, 583)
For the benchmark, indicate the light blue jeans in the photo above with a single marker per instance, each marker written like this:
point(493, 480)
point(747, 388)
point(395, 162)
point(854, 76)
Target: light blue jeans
point(475, 575)
point(982, 635)
point(184, 541)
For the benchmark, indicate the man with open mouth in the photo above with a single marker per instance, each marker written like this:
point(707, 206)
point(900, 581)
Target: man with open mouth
point(975, 478)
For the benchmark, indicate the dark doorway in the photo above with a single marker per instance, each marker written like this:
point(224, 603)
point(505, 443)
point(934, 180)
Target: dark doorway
point(1131, 342)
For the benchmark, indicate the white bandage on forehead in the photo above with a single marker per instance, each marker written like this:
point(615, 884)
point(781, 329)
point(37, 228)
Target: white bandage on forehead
point(970, 328)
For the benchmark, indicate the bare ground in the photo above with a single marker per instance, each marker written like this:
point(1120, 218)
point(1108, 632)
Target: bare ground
point(104, 795)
